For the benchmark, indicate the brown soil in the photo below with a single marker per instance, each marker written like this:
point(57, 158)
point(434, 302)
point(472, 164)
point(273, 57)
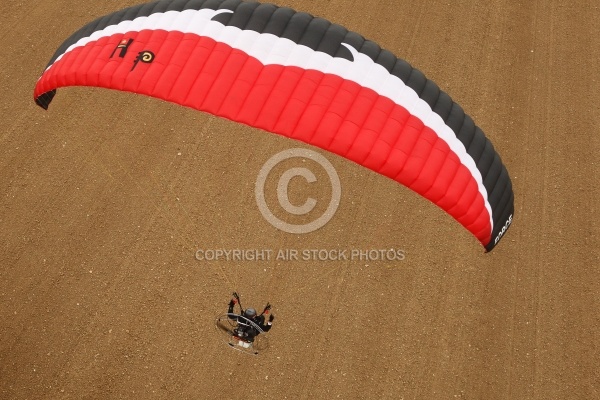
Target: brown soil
point(105, 198)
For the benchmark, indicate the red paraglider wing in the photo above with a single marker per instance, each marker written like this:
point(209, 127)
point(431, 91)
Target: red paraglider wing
point(301, 77)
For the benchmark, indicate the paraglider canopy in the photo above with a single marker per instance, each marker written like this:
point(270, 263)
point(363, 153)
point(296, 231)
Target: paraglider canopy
point(301, 77)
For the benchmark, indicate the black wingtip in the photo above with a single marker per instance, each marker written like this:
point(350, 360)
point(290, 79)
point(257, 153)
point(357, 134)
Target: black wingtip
point(45, 99)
